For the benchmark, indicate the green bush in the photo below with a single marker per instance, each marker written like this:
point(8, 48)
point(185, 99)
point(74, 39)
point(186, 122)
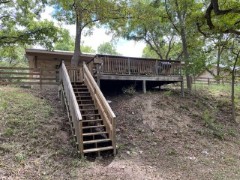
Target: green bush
point(129, 90)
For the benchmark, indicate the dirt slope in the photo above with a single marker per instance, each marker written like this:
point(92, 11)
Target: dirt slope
point(163, 136)
point(160, 136)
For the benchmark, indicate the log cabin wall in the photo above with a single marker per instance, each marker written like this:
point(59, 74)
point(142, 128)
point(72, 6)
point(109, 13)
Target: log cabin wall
point(51, 59)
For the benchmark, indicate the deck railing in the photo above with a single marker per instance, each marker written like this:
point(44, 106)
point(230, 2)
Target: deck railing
point(133, 66)
point(105, 110)
point(75, 74)
point(72, 105)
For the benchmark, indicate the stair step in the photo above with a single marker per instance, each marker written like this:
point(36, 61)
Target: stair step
point(90, 115)
point(81, 95)
point(94, 133)
point(88, 127)
point(80, 92)
point(88, 109)
point(77, 88)
point(91, 120)
point(83, 100)
point(84, 97)
point(80, 86)
point(97, 149)
point(96, 141)
point(86, 105)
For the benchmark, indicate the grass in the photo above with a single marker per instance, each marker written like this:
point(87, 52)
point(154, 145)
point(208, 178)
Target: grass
point(30, 143)
point(221, 91)
point(19, 111)
point(217, 89)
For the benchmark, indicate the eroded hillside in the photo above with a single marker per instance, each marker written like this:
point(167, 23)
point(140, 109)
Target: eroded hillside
point(160, 135)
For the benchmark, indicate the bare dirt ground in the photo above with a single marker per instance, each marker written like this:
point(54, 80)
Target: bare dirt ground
point(159, 134)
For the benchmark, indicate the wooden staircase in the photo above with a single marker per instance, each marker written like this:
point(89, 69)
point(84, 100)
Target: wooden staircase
point(91, 119)
point(95, 136)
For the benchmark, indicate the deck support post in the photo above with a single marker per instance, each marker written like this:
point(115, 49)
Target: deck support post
point(129, 69)
point(182, 88)
point(41, 76)
point(144, 86)
point(98, 82)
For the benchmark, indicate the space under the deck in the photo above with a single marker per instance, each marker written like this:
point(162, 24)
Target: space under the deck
point(117, 86)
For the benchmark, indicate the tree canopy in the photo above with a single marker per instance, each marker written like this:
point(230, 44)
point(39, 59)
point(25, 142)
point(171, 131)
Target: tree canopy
point(86, 14)
point(20, 24)
point(107, 48)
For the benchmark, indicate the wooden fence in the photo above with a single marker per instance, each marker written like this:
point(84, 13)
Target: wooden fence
point(29, 76)
point(209, 81)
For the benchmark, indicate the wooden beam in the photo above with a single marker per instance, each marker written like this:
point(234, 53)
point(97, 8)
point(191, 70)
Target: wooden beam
point(32, 78)
point(141, 78)
point(29, 82)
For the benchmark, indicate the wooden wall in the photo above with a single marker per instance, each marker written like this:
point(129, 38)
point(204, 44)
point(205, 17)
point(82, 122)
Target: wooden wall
point(51, 61)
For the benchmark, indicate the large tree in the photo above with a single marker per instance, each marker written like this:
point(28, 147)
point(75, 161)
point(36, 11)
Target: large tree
point(163, 25)
point(221, 17)
point(148, 24)
point(85, 14)
point(181, 14)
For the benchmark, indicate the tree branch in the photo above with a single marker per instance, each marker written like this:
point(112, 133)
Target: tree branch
point(214, 6)
point(170, 46)
point(4, 2)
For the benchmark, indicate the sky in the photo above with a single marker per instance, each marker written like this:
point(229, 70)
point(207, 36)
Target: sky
point(99, 36)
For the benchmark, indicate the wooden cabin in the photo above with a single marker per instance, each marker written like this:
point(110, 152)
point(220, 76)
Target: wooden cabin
point(147, 71)
point(51, 59)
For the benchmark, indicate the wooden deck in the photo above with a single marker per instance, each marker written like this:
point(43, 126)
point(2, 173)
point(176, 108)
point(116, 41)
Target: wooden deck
point(151, 72)
point(105, 67)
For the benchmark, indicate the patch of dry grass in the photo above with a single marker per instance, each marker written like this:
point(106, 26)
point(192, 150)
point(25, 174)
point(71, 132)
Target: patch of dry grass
point(34, 143)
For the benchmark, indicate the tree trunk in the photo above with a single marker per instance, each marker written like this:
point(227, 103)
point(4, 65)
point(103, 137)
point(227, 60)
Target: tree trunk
point(186, 58)
point(77, 49)
point(233, 96)
point(218, 64)
point(233, 88)
point(183, 35)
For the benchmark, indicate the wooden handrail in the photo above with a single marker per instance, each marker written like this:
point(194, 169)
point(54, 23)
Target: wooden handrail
point(30, 69)
point(72, 105)
point(100, 101)
point(97, 89)
point(67, 84)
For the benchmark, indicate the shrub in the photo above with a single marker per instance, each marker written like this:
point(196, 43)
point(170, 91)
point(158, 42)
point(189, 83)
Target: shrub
point(129, 90)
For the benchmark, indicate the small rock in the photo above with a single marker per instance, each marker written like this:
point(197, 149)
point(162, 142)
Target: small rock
point(133, 113)
point(192, 158)
point(128, 152)
point(140, 152)
point(205, 152)
point(154, 143)
point(238, 119)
